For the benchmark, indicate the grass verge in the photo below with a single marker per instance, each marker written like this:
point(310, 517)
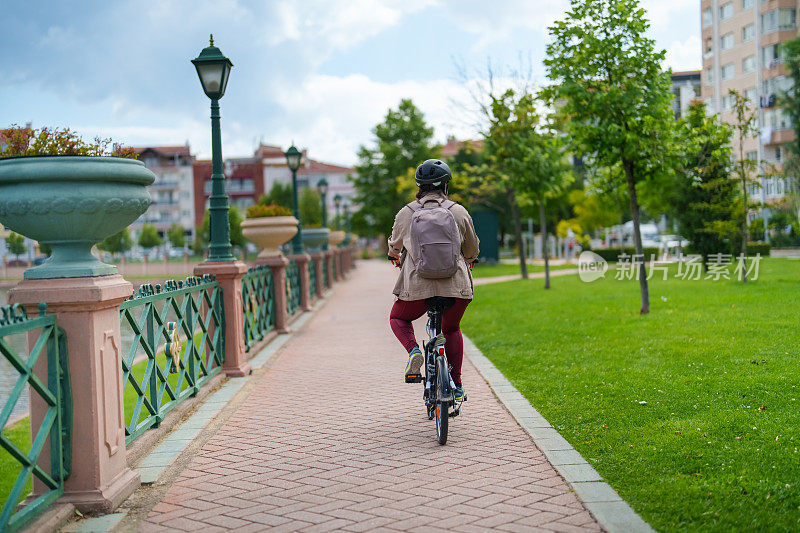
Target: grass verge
point(690, 412)
point(507, 269)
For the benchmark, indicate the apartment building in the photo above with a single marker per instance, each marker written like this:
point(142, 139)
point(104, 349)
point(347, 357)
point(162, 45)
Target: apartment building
point(172, 191)
point(685, 89)
point(246, 179)
point(741, 50)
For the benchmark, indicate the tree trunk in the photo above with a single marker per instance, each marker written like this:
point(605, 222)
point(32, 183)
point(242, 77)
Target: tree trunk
point(637, 236)
point(546, 255)
point(518, 231)
point(744, 222)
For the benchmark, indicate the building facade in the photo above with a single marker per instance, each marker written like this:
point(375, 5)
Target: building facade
point(246, 179)
point(741, 51)
point(685, 89)
point(172, 192)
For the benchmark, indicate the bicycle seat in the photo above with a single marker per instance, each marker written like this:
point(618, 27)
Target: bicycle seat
point(440, 302)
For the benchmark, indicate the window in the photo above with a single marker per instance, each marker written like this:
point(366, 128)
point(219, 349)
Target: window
point(727, 72)
point(751, 94)
point(727, 102)
point(751, 155)
point(726, 43)
point(747, 4)
point(777, 153)
point(771, 55)
point(748, 32)
point(778, 19)
point(776, 119)
point(749, 64)
point(726, 11)
point(707, 19)
point(709, 75)
point(777, 85)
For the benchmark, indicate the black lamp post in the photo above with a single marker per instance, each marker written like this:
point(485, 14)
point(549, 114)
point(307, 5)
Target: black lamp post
point(213, 69)
point(293, 156)
point(322, 189)
point(337, 201)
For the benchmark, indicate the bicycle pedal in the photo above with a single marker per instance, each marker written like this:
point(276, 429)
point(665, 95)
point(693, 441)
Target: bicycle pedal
point(454, 413)
point(413, 378)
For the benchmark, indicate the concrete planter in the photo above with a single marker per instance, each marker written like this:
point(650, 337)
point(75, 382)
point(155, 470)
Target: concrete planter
point(336, 238)
point(268, 233)
point(315, 238)
point(71, 203)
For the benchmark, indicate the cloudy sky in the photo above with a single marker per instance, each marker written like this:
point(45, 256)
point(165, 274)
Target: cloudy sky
point(318, 72)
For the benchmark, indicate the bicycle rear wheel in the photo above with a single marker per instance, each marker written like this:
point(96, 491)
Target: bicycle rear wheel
point(442, 406)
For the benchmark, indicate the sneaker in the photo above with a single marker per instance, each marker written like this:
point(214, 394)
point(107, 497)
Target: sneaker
point(415, 361)
point(460, 395)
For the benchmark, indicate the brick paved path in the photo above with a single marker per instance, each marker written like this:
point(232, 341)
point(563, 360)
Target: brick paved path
point(332, 439)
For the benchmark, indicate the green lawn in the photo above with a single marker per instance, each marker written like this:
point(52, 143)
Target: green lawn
point(504, 269)
point(715, 446)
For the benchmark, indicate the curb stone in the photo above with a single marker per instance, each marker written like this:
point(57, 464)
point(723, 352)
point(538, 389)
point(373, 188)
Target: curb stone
point(603, 502)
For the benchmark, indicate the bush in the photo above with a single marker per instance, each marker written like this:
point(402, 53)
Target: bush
point(26, 142)
point(754, 248)
point(261, 211)
point(612, 254)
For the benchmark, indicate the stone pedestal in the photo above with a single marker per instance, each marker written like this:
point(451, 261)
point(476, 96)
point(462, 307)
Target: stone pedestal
point(277, 264)
point(88, 312)
point(305, 280)
point(329, 255)
point(229, 275)
point(317, 257)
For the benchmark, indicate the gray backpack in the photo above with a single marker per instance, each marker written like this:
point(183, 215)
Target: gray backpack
point(435, 239)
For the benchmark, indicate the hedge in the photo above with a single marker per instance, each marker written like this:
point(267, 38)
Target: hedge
point(612, 254)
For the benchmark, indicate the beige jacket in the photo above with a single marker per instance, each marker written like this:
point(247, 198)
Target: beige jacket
point(409, 285)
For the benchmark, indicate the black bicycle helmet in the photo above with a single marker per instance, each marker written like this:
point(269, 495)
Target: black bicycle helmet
point(433, 172)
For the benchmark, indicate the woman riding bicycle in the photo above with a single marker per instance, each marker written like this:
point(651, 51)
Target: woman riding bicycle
point(413, 286)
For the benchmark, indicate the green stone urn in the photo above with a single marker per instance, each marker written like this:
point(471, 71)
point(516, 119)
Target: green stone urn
point(315, 238)
point(71, 203)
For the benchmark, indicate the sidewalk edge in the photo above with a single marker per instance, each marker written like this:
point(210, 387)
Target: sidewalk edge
point(602, 501)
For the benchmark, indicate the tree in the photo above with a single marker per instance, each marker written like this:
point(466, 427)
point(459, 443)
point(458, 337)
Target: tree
point(16, 244)
point(614, 96)
point(705, 199)
point(280, 194)
point(176, 236)
point(117, 243)
point(529, 157)
point(402, 141)
point(790, 103)
point(45, 248)
point(149, 237)
point(202, 233)
point(745, 126)
point(310, 208)
point(592, 210)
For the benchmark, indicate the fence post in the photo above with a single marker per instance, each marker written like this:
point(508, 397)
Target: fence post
point(317, 258)
point(88, 312)
point(229, 275)
point(329, 254)
point(305, 279)
point(277, 264)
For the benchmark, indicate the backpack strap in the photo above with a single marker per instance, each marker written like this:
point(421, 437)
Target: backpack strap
point(414, 206)
point(447, 204)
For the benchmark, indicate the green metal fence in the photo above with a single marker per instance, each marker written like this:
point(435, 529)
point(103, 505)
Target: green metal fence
point(333, 266)
point(292, 287)
point(258, 304)
point(312, 278)
point(327, 282)
point(177, 345)
point(56, 426)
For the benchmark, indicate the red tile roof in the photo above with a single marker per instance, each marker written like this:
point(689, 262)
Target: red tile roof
point(165, 150)
point(314, 167)
point(453, 146)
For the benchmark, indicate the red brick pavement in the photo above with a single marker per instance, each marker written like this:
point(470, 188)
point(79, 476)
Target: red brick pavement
point(331, 438)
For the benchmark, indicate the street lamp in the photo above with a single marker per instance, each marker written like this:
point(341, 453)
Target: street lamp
point(213, 69)
point(337, 201)
point(293, 156)
point(322, 189)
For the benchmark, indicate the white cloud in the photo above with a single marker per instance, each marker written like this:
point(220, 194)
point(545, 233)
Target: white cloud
point(684, 55)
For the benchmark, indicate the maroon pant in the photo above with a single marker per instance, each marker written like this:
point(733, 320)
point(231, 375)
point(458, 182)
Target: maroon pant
point(404, 312)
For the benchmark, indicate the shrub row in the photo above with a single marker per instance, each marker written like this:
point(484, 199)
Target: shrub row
point(612, 254)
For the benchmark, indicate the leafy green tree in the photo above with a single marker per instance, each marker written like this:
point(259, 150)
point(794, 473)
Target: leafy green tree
point(529, 158)
point(202, 233)
point(176, 236)
point(705, 201)
point(310, 206)
point(746, 126)
point(402, 141)
point(149, 237)
point(280, 194)
point(610, 85)
point(117, 243)
point(592, 210)
point(16, 244)
point(45, 248)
